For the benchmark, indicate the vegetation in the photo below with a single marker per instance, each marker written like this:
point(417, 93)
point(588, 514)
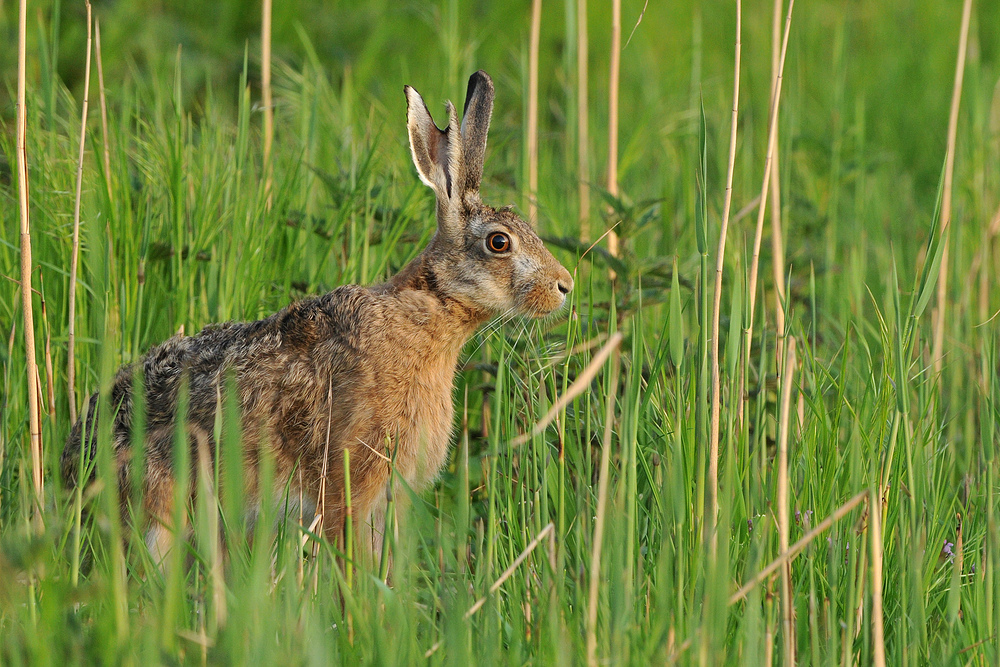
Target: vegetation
point(498, 564)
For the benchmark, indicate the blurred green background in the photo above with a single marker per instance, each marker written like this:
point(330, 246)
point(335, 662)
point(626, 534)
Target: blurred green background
point(894, 58)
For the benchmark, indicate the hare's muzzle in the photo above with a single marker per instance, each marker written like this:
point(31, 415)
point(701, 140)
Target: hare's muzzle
point(561, 284)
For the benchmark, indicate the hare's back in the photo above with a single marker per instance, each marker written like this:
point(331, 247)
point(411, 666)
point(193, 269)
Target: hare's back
point(283, 366)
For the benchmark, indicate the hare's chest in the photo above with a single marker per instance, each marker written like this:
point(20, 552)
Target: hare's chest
point(425, 427)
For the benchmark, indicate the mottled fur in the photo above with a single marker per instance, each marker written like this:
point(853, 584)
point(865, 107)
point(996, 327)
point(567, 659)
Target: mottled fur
point(373, 367)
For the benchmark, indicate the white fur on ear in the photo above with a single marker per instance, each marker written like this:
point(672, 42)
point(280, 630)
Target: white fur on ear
point(423, 142)
point(437, 153)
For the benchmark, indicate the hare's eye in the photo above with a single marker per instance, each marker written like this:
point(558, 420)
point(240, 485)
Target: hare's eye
point(498, 242)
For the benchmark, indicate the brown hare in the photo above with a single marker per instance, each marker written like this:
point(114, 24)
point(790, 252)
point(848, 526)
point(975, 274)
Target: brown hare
point(366, 369)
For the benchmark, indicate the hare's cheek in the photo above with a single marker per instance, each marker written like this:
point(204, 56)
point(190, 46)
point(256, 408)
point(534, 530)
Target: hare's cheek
point(494, 296)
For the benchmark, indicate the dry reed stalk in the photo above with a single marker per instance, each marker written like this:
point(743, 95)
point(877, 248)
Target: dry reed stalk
point(878, 628)
point(772, 136)
point(613, 81)
point(536, 30)
point(769, 630)
point(579, 385)
point(713, 456)
point(348, 522)
point(787, 610)
point(543, 533)
point(762, 209)
point(265, 85)
point(218, 613)
point(799, 546)
point(50, 388)
point(104, 108)
point(959, 559)
point(602, 500)
point(75, 253)
point(582, 120)
point(31, 365)
point(983, 264)
point(777, 242)
point(949, 175)
point(321, 515)
point(547, 531)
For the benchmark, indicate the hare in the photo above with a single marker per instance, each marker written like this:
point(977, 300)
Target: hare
point(364, 369)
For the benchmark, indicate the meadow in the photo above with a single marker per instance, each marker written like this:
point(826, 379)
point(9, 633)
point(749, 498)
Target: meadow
point(794, 465)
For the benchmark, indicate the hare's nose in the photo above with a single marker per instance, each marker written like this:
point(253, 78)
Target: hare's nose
point(564, 283)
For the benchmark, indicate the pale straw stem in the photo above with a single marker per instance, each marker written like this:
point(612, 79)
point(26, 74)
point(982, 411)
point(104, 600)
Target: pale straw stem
point(536, 29)
point(31, 365)
point(582, 119)
point(787, 609)
point(949, 175)
point(75, 253)
point(713, 456)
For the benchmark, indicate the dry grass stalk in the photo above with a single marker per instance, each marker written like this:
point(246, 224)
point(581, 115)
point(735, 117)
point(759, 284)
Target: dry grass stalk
point(983, 264)
point(772, 136)
point(582, 381)
point(602, 501)
point(536, 31)
point(104, 108)
point(613, 85)
point(582, 119)
point(50, 388)
point(787, 608)
point(321, 515)
point(799, 546)
point(878, 629)
point(545, 532)
point(218, 609)
point(713, 456)
point(762, 209)
point(959, 555)
point(75, 253)
point(777, 237)
point(949, 176)
point(769, 629)
point(31, 370)
point(265, 85)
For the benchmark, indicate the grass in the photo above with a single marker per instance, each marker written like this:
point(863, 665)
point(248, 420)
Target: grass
point(180, 230)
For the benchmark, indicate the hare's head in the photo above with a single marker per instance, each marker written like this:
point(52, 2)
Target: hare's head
point(487, 258)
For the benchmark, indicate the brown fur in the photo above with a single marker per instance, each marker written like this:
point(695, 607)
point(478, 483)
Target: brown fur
point(371, 366)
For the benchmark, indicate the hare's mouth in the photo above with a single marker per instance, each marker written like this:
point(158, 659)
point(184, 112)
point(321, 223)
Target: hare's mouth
point(538, 311)
point(541, 299)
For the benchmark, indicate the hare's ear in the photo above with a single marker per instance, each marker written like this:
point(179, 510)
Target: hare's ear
point(475, 126)
point(437, 154)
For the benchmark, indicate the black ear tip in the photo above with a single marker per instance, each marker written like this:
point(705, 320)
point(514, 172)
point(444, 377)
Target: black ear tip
point(480, 78)
point(479, 83)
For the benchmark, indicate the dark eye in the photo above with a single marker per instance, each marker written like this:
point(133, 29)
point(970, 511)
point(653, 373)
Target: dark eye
point(498, 242)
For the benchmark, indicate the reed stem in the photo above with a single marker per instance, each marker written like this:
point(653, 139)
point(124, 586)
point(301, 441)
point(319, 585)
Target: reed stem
point(713, 456)
point(614, 78)
point(75, 253)
point(937, 353)
point(265, 86)
point(582, 120)
point(536, 28)
point(31, 365)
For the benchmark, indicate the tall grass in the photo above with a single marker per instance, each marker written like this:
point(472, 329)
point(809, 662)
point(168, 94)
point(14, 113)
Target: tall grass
point(856, 513)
